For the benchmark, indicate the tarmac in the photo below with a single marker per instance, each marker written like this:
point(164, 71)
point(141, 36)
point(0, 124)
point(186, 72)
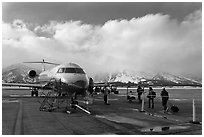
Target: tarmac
point(21, 116)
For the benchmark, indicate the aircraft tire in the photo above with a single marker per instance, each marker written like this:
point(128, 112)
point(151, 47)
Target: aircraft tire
point(32, 94)
point(36, 93)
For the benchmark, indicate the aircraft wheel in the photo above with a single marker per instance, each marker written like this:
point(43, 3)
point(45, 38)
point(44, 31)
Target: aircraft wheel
point(75, 102)
point(36, 94)
point(32, 93)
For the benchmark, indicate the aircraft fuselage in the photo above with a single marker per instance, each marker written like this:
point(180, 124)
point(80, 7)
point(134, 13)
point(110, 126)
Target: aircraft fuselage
point(72, 78)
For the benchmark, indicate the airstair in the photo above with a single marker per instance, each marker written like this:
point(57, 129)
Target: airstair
point(54, 99)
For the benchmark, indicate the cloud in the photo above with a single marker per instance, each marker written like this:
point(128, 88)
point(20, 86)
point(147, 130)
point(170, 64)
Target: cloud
point(154, 42)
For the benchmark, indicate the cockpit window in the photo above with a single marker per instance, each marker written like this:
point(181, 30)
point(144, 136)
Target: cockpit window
point(61, 70)
point(71, 70)
point(79, 70)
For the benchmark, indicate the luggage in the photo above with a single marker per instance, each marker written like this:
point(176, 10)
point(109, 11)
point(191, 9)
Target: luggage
point(174, 108)
point(130, 98)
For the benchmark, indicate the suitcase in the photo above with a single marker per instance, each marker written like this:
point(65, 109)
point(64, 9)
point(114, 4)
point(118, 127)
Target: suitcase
point(174, 108)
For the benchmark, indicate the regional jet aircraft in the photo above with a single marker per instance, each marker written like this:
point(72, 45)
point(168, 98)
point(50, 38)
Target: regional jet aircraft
point(70, 76)
point(67, 79)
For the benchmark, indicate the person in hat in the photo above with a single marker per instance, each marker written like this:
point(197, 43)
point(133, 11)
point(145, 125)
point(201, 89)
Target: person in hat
point(139, 93)
point(106, 95)
point(165, 98)
point(151, 97)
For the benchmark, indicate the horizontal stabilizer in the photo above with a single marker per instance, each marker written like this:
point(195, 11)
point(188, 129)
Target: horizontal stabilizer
point(42, 62)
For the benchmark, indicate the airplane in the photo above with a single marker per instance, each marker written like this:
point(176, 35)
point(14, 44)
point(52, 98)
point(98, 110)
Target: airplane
point(68, 79)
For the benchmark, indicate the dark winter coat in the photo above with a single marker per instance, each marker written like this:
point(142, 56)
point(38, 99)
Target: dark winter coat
point(164, 95)
point(151, 95)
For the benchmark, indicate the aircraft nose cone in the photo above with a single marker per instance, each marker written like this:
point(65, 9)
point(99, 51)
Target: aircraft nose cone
point(80, 83)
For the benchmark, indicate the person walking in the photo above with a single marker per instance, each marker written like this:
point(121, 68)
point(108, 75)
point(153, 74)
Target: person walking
point(131, 96)
point(139, 93)
point(151, 97)
point(106, 95)
point(165, 98)
point(91, 86)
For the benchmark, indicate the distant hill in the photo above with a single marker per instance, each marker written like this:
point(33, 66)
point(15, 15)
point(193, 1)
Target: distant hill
point(167, 78)
point(16, 73)
point(159, 79)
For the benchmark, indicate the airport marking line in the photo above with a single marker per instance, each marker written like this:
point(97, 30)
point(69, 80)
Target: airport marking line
point(157, 115)
point(120, 119)
point(120, 95)
point(178, 99)
point(20, 95)
point(9, 101)
point(19, 121)
point(97, 99)
point(164, 128)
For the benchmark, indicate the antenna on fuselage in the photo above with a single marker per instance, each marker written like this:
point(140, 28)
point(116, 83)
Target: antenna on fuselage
point(43, 63)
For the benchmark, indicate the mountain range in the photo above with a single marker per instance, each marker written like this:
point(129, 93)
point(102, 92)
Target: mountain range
point(156, 79)
point(17, 73)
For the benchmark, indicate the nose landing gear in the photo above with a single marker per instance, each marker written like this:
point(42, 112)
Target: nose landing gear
point(74, 104)
point(34, 91)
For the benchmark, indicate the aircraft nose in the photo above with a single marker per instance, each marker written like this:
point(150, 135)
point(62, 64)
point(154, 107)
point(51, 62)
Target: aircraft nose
point(80, 83)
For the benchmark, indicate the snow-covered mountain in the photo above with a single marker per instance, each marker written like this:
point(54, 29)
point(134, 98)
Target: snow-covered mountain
point(129, 76)
point(16, 73)
point(162, 78)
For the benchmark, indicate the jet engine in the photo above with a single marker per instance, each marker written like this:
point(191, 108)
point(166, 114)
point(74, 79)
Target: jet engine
point(32, 74)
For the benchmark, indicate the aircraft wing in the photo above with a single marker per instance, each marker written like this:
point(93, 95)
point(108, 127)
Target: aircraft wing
point(103, 84)
point(99, 84)
point(23, 85)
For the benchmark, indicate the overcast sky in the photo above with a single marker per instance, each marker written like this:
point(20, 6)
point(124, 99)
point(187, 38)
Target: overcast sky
point(105, 36)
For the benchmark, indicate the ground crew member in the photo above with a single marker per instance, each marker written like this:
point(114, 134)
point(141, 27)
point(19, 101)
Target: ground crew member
point(151, 97)
point(165, 98)
point(139, 93)
point(97, 90)
point(131, 97)
point(91, 86)
point(106, 95)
